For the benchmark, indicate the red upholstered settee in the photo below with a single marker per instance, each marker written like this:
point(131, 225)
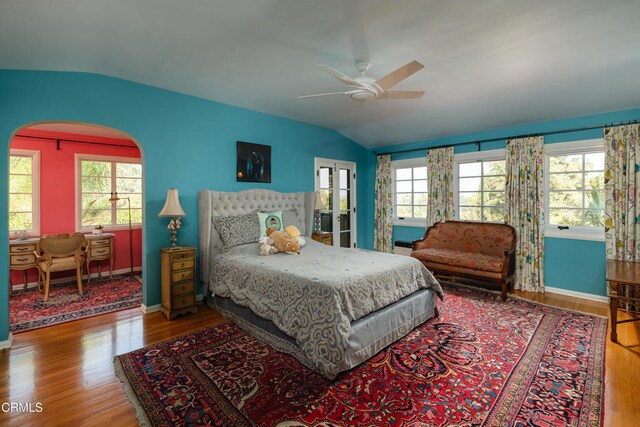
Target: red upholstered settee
point(482, 251)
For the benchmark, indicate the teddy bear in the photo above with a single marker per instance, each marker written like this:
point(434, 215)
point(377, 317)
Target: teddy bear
point(283, 242)
point(293, 232)
point(266, 246)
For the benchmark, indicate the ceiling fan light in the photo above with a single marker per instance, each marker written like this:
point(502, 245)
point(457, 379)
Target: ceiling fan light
point(363, 96)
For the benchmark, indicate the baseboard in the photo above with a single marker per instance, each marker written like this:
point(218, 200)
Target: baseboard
point(7, 343)
point(155, 308)
point(576, 294)
point(32, 285)
point(150, 309)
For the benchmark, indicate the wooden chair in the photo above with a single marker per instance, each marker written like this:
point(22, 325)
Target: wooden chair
point(61, 252)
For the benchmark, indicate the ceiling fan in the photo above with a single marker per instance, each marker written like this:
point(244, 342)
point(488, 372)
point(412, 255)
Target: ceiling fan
point(365, 88)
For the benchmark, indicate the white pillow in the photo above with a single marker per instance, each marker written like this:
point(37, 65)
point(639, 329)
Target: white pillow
point(269, 220)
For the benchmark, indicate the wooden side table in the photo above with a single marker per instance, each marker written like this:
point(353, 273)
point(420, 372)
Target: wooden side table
point(620, 275)
point(178, 281)
point(326, 238)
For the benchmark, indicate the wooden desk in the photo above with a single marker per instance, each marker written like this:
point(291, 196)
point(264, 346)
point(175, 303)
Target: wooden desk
point(621, 275)
point(21, 256)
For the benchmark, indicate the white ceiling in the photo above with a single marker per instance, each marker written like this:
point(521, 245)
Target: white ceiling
point(488, 64)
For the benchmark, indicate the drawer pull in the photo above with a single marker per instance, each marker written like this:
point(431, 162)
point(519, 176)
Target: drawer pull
point(22, 249)
point(22, 259)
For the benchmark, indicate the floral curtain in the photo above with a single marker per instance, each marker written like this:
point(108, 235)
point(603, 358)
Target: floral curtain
point(383, 228)
point(622, 209)
point(440, 179)
point(524, 209)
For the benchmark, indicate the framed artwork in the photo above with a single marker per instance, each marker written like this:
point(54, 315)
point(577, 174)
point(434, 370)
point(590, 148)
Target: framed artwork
point(254, 162)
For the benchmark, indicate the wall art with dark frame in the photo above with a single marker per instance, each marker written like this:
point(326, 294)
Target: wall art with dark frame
point(254, 162)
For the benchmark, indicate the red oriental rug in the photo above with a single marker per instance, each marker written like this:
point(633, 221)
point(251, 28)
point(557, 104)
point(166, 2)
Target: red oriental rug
point(27, 309)
point(483, 362)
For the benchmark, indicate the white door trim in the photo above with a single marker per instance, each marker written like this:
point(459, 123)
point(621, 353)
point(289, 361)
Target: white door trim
point(337, 164)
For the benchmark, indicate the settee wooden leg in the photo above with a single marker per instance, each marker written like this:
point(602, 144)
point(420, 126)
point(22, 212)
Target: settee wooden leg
point(504, 291)
point(436, 312)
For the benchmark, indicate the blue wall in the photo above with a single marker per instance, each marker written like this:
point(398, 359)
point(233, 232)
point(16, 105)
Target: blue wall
point(575, 265)
point(186, 142)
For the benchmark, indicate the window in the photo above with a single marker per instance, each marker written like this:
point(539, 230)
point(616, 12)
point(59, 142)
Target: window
point(575, 190)
point(480, 185)
point(24, 191)
point(409, 192)
point(100, 177)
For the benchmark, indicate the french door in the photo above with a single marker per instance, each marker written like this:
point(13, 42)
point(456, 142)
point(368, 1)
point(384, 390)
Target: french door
point(336, 182)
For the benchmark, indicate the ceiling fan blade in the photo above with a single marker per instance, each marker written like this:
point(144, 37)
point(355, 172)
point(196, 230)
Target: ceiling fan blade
point(395, 77)
point(338, 75)
point(402, 94)
point(321, 94)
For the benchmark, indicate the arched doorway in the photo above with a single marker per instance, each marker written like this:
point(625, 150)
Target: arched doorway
point(70, 177)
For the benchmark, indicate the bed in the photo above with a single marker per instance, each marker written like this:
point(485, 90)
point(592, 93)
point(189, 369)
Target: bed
point(331, 308)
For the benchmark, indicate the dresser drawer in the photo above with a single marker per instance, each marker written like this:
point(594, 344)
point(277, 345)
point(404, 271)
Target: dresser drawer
point(182, 301)
point(99, 242)
point(99, 251)
point(181, 275)
point(181, 265)
point(23, 259)
point(18, 249)
point(182, 288)
point(181, 256)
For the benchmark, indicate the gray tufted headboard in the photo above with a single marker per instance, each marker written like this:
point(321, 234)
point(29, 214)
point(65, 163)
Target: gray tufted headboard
point(221, 203)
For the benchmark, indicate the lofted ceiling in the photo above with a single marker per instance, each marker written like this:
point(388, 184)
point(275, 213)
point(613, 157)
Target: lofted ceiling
point(488, 64)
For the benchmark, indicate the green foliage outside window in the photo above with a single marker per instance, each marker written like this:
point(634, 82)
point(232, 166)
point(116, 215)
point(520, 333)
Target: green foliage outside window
point(481, 189)
point(576, 190)
point(20, 193)
point(102, 178)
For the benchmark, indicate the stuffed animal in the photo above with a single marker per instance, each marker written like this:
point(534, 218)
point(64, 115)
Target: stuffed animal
point(266, 246)
point(293, 232)
point(283, 242)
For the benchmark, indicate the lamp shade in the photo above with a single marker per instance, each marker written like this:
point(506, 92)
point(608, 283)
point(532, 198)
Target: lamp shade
point(319, 205)
point(172, 205)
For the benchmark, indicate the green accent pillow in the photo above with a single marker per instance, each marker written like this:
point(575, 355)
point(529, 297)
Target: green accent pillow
point(269, 220)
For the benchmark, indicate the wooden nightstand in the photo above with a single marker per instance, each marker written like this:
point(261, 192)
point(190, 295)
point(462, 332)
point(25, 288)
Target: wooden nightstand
point(326, 238)
point(178, 281)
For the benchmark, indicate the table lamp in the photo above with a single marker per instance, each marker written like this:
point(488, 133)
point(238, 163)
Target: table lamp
point(173, 209)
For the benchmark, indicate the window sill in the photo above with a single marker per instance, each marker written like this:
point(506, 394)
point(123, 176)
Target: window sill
point(409, 222)
point(109, 229)
point(575, 234)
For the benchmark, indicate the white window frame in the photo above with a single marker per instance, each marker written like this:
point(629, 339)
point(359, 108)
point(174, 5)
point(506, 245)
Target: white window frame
point(568, 148)
point(35, 188)
point(475, 156)
point(92, 157)
point(417, 162)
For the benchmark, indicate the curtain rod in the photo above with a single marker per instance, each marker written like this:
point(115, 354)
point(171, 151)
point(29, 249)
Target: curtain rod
point(481, 141)
point(58, 140)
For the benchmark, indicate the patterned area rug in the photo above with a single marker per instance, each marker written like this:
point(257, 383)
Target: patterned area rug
point(483, 362)
point(27, 310)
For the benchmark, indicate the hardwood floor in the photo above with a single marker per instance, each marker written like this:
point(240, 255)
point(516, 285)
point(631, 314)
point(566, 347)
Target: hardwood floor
point(68, 368)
